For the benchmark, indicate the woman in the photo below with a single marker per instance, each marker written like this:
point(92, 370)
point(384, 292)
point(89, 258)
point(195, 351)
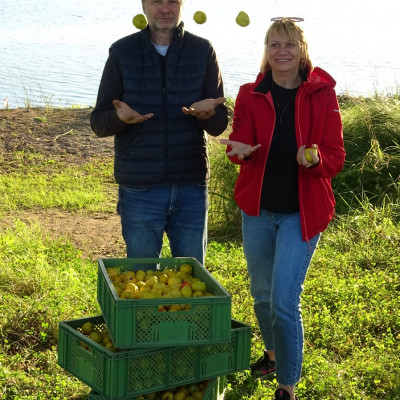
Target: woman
point(284, 192)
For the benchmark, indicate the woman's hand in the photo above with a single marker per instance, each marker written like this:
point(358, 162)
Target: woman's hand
point(128, 115)
point(301, 156)
point(204, 109)
point(241, 150)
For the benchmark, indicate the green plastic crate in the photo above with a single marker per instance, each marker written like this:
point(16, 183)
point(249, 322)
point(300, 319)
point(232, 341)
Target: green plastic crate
point(133, 372)
point(215, 391)
point(139, 323)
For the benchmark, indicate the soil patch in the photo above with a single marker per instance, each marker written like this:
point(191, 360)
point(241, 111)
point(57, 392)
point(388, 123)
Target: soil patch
point(61, 134)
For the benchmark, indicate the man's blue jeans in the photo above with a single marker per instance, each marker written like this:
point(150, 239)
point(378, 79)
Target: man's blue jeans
point(277, 261)
point(179, 210)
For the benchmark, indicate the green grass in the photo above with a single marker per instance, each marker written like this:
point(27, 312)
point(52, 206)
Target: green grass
point(34, 181)
point(351, 297)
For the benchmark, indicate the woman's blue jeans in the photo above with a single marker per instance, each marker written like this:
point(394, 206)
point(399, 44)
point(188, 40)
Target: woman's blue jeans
point(277, 260)
point(179, 210)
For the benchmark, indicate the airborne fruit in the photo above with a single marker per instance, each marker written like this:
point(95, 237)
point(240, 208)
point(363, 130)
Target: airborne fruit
point(139, 21)
point(242, 19)
point(200, 17)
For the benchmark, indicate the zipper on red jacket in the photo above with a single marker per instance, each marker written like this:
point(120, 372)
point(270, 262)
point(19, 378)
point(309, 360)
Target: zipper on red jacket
point(300, 172)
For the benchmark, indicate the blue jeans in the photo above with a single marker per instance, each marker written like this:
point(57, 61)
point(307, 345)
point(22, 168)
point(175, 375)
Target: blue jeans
point(179, 210)
point(277, 261)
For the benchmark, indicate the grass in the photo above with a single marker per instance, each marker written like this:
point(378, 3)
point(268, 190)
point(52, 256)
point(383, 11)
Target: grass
point(351, 296)
point(34, 181)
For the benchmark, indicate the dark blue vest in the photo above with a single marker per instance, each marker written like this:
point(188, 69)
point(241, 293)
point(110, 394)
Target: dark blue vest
point(171, 146)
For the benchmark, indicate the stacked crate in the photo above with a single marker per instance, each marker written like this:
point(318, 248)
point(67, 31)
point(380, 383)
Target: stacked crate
point(158, 349)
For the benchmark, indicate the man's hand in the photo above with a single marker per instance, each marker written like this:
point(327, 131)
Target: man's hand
point(128, 115)
point(204, 109)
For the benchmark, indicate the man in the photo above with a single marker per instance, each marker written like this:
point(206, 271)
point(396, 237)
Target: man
point(160, 91)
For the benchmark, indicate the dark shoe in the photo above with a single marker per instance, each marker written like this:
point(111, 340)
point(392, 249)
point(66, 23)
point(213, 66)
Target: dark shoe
point(263, 367)
point(282, 394)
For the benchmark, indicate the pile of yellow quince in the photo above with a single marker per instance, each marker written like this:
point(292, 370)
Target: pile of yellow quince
point(194, 391)
point(154, 284)
point(98, 334)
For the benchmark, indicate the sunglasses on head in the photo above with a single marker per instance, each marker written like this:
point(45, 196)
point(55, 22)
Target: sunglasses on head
point(293, 19)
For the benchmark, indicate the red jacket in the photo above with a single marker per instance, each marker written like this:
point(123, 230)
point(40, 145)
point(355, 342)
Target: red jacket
point(318, 121)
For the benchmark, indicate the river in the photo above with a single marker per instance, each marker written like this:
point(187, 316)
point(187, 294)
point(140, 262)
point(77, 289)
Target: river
point(53, 51)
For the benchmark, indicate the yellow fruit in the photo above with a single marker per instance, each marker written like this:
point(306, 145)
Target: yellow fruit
point(106, 339)
point(127, 294)
point(163, 278)
point(112, 271)
point(129, 279)
point(167, 395)
point(308, 155)
point(199, 286)
point(120, 285)
point(175, 307)
point(152, 281)
point(200, 17)
point(96, 337)
point(183, 389)
point(158, 292)
point(139, 284)
point(139, 21)
point(197, 395)
point(179, 395)
point(186, 291)
point(145, 289)
point(149, 295)
point(169, 271)
point(242, 19)
point(198, 293)
point(127, 274)
point(87, 328)
point(105, 332)
point(140, 275)
point(175, 293)
point(186, 268)
point(182, 275)
point(116, 279)
point(193, 388)
point(110, 346)
point(174, 282)
point(119, 291)
point(132, 287)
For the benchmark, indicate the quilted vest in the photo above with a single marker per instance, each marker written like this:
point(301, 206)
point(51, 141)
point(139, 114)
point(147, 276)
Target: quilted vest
point(170, 147)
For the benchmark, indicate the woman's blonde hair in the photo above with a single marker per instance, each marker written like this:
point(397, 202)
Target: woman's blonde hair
point(289, 29)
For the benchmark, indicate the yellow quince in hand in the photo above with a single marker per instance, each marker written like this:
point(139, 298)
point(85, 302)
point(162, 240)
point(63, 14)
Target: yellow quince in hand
point(308, 155)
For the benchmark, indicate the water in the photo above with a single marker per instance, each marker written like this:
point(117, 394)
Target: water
point(53, 51)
